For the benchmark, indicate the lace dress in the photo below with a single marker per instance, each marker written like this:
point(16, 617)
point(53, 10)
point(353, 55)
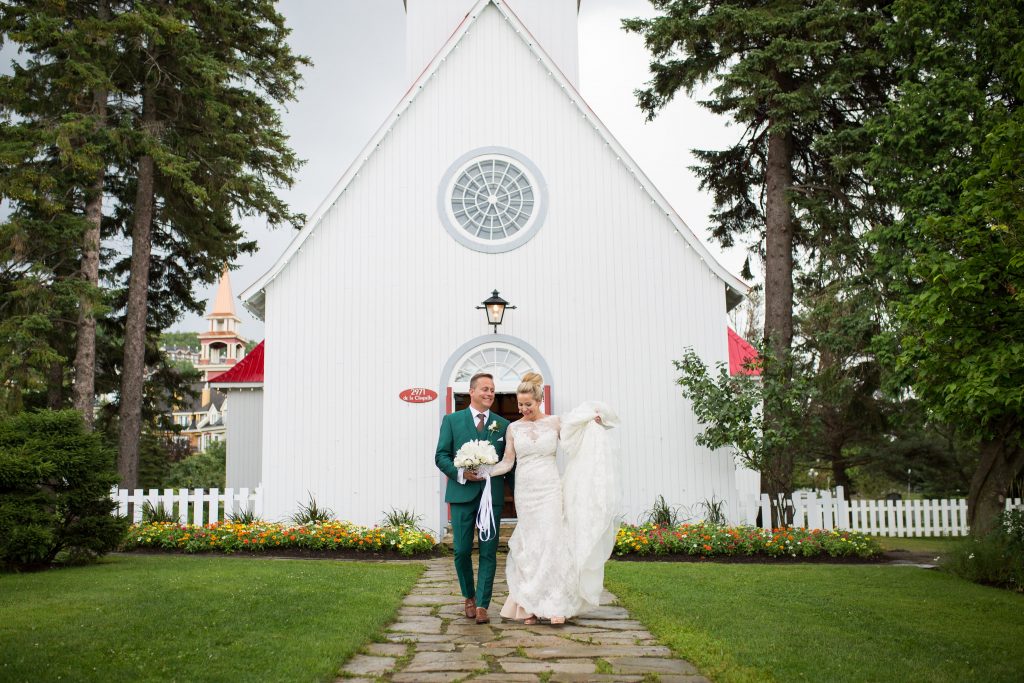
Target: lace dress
point(540, 569)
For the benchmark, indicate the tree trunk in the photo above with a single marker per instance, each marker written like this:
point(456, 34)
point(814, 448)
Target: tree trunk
point(778, 300)
point(84, 388)
point(85, 340)
point(1002, 461)
point(55, 385)
point(133, 374)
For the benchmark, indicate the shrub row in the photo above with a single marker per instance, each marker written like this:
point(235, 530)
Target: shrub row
point(231, 537)
point(996, 559)
point(708, 540)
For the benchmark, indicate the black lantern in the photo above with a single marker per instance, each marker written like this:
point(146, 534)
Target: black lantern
point(495, 308)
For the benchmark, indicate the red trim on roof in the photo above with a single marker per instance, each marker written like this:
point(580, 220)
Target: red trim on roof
point(247, 370)
point(741, 353)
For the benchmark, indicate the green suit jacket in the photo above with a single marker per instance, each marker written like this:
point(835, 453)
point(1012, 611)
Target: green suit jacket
point(456, 429)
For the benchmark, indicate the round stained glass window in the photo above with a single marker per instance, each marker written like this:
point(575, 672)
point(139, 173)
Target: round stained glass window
point(492, 201)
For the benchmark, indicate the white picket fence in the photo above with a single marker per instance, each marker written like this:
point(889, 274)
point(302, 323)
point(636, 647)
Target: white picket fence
point(945, 517)
point(190, 506)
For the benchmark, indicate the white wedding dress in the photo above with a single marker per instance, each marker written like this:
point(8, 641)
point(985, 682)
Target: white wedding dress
point(565, 528)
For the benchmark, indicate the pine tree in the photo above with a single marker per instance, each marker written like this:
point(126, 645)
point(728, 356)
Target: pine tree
point(799, 78)
point(208, 147)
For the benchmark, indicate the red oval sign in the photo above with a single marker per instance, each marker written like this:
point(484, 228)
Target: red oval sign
point(418, 395)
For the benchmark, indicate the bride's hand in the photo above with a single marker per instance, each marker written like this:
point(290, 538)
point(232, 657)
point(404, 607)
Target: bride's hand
point(598, 420)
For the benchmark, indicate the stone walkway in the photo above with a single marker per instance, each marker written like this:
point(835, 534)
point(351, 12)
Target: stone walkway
point(433, 642)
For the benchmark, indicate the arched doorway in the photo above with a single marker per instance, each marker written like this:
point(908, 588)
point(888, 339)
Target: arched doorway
point(507, 359)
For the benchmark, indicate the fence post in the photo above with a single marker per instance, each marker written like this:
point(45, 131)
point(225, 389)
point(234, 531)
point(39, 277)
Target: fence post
point(827, 510)
point(842, 509)
point(257, 507)
point(766, 511)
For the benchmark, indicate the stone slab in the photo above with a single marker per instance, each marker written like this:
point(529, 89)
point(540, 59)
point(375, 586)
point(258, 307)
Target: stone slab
point(425, 625)
point(570, 666)
point(574, 650)
point(387, 649)
point(368, 665)
point(424, 662)
point(435, 677)
point(653, 665)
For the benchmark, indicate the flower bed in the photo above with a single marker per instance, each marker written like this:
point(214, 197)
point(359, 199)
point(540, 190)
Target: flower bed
point(706, 540)
point(229, 537)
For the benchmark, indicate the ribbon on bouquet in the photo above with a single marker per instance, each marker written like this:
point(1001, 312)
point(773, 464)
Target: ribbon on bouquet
point(485, 513)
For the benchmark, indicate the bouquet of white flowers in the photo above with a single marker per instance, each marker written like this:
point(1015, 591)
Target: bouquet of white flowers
point(481, 456)
point(475, 455)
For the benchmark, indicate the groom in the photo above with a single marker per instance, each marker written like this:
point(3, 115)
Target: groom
point(465, 489)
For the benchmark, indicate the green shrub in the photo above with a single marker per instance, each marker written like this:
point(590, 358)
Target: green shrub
point(311, 513)
point(996, 559)
point(204, 470)
point(55, 481)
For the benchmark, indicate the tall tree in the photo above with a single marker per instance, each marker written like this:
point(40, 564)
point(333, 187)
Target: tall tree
point(55, 150)
point(208, 147)
point(799, 78)
point(949, 158)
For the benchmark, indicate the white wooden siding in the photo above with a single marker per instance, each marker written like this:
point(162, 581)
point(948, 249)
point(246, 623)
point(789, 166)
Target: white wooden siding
point(553, 23)
point(244, 440)
point(380, 296)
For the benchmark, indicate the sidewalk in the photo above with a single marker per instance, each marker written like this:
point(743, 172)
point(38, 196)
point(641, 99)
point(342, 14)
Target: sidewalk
point(433, 642)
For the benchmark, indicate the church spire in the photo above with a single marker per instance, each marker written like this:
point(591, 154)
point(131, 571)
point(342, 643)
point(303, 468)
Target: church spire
point(224, 302)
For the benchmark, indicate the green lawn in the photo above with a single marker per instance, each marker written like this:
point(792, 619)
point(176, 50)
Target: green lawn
point(183, 618)
point(939, 545)
point(826, 622)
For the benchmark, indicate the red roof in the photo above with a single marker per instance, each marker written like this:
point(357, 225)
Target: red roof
point(740, 354)
point(249, 370)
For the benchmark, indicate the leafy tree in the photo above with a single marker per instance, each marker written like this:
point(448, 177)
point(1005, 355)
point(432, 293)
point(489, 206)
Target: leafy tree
point(948, 157)
point(203, 470)
point(798, 78)
point(188, 340)
point(729, 407)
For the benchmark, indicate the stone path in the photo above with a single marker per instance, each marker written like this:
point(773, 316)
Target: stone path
point(433, 642)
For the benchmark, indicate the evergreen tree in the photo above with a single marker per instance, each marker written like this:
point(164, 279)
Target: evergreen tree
point(799, 78)
point(208, 146)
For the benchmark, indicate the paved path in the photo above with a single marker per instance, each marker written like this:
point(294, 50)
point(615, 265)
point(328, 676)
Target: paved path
point(433, 642)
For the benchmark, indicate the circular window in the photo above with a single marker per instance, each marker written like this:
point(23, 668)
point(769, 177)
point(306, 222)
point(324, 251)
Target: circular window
point(492, 200)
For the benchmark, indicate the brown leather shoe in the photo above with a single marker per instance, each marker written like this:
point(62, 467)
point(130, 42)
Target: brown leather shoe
point(470, 608)
point(481, 616)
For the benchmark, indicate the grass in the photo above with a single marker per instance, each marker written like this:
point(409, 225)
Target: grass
point(741, 623)
point(932, 544)
point(195, 618)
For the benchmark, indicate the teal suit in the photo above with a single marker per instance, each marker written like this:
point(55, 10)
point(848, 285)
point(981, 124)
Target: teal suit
point(456, 429)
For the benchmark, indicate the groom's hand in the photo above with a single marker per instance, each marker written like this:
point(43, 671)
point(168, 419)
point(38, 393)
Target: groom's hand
point(470, 475)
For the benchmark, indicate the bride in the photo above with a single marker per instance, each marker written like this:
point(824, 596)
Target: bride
point(565, 532)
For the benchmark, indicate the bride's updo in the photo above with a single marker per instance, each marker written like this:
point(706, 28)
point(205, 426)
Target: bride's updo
point(532, 384)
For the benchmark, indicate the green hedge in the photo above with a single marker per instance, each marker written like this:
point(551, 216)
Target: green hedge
point(55, 481)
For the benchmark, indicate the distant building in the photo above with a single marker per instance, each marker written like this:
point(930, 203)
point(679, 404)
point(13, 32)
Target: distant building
point(203, 420)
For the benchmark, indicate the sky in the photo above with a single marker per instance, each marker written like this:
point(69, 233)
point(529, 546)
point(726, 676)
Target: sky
point(358, 75)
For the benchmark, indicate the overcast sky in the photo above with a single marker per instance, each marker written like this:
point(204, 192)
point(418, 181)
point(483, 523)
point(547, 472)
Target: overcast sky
point(357, 48)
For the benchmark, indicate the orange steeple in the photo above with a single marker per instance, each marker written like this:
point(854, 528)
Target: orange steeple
point(221, 345)
point(224, 302)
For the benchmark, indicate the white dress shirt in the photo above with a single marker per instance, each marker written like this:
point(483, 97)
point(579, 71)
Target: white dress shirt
point(476, 418)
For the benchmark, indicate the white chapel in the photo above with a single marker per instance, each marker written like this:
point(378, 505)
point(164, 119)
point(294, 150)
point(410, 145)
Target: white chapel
point(491, 176)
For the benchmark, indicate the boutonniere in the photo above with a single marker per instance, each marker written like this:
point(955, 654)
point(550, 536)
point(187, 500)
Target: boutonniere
point(493, 427)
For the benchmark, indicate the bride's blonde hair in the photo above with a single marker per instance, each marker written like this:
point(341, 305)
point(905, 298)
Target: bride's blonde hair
point(532, 384)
